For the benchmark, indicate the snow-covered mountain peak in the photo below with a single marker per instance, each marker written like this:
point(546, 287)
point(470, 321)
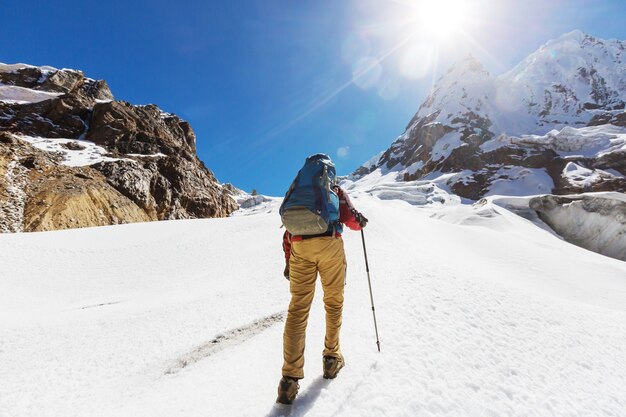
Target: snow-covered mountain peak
point(573, 48)
point(568, 76)
point(576, 35)
point(581, 38)
point(572, 85)
point(465, 87)
point(468, 66)
point(562, 83)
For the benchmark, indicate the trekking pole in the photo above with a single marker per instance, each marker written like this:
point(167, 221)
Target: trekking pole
point(369, 282)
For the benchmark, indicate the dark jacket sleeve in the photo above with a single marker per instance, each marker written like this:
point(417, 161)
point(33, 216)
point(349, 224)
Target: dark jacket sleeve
point(346, 210)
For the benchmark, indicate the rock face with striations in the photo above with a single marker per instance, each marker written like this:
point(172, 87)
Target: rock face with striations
point(553, 124)
point(596, 221)
point(71, 156)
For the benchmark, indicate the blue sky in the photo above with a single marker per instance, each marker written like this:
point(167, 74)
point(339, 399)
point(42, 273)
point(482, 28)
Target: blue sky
point(266, 83)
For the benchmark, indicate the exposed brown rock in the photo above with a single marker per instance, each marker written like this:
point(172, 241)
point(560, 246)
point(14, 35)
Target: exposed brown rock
point(62, 117)
point(61, 199)
point(28, 77)
point(614, 160)
point(172, 187)
point(74, 146)
point(61, 81)
point(158, 175)
point(97, 89)
point(420, 140)
point(146, 130)
point(619, 120)
point(482, 166)
point(608, 118)
point(38, 194)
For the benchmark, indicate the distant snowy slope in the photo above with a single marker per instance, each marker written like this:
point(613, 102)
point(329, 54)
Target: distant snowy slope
point(479, 311)
point(568, 76)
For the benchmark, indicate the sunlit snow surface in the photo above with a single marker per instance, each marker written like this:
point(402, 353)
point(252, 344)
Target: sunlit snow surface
point(480, 312)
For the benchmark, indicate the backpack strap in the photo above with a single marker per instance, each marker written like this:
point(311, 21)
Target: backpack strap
point(326, 182)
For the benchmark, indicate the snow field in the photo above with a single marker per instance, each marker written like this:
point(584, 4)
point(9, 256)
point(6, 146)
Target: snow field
point(479, 311)
point(98, 313)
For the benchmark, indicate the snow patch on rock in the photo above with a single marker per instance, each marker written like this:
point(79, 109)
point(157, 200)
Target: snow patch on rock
point(22, 95)
point(444, 146)
point(584, 177)
point(75, 152)
point(519, 181)
point(19, 66)
point(589, 142)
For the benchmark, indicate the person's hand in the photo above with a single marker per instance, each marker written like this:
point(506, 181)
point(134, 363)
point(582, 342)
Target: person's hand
point(286, 271)
point(361, 220)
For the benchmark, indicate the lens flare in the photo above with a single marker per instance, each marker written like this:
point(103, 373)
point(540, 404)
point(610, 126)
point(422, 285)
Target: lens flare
point(366, 73)
point(388, 88)
point(417, 60)
point(442, 17)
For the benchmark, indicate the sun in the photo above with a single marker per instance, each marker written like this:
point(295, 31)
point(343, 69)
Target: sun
point(441, 18)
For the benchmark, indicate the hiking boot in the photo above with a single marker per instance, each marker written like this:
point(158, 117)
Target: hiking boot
point(287, 390)
point(332, 366)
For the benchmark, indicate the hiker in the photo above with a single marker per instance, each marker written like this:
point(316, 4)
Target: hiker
point(312, 244)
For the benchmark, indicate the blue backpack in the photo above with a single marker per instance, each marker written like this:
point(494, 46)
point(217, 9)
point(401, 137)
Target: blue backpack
point(311, 206)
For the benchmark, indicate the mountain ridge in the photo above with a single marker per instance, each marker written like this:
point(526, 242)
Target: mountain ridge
point(574, 81)
point(73, 156)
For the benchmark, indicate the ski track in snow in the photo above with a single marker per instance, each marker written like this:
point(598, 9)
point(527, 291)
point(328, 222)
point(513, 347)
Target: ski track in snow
point(110, 303)
point(225, 341)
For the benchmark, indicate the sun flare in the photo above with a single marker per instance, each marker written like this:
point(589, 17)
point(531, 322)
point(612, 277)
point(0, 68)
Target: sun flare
point(441, 17)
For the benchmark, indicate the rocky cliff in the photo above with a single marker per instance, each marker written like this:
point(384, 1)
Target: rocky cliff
point(72, 156)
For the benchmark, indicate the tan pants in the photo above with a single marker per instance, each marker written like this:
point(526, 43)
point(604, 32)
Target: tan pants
point(308, 257)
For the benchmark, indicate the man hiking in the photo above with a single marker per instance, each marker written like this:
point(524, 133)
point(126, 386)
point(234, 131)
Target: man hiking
point(314, 211)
